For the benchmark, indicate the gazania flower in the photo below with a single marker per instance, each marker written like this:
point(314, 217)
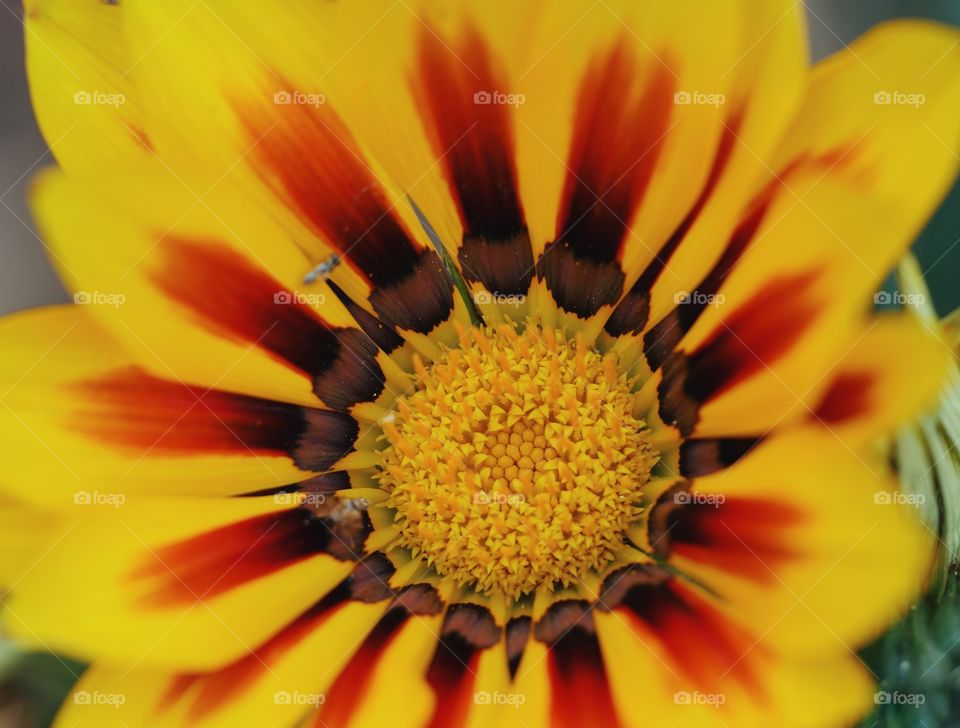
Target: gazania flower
point(448, 364)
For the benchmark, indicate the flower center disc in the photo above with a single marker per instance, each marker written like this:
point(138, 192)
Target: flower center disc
point(517, 462)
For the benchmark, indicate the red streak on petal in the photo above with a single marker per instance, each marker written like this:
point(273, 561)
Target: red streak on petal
point(580, 691)
point(755, 336)
point(749, 537)
point(617, 139)
point(452, 674)
point(632, 312)
point(703, 644)
point(308, 155)
point(454, 693)
point(212, 563)
point(471, 131)
point(662, 338)
point(354, 682)
point(143, 413)
point(847, 397)
point(215, 689)
point(234, 298)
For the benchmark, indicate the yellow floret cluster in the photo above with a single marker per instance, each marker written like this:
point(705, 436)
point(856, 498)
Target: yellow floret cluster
point(517, 462)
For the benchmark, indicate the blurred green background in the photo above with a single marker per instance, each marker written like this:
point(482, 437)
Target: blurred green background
point(31, 686)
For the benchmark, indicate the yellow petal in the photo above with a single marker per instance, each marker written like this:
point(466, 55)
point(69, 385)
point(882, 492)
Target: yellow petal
point(393, 676)
point(81, 415)
point(26, 533)
point(767, 86)
point(86, 103)
point(794, 533)
point(783, 313)
point(286, 679)
point(883, 114)
point(893, 370)
point(263, 118)
point(206, 286)
point(751, 688)
point(139, 582)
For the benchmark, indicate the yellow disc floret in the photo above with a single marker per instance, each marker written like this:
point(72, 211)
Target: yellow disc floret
point(517, 461)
